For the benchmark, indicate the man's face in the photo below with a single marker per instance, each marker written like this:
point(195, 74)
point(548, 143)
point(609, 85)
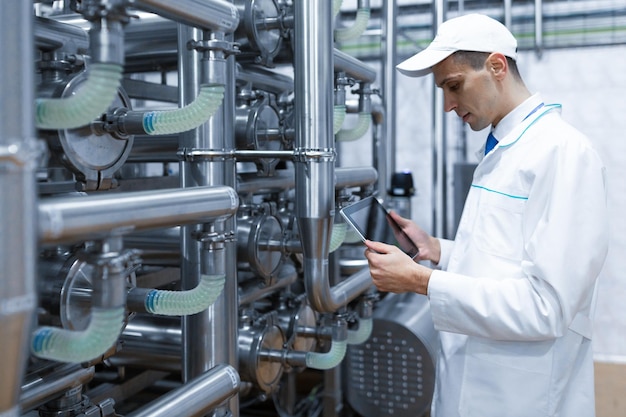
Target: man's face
point(472, 94)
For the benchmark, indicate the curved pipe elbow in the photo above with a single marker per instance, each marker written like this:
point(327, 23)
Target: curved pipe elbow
point(70, 346)
point(339, 115)
point(337, 6)
point(330, 359)
point(91, 100)
point(358, 131)
point(167, 122)
point(184, 303)
point(337, 236)
point(357, 29)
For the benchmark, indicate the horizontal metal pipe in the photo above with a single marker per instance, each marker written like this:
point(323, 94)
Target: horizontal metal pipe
point(154, 149)
point(253, 291)
point(355, 177)
point(48, 384)
point(151, 342)
point(51, 35)
point(265, 80)
point(281, 180)
point(352, 287)
point(78, 218)
point(344, 177)
point(197, 397)
point(217, 15)
point(353, 67)
point(333, 298)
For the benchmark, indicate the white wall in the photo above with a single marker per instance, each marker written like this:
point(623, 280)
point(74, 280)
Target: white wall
point(591, 86)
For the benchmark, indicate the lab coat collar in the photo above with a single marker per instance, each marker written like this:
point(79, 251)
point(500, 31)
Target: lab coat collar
point(514, 124)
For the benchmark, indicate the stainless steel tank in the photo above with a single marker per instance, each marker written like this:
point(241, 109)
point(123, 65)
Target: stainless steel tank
point(393, 372)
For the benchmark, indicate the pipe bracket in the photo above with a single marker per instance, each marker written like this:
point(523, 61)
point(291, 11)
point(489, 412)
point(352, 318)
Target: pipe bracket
point(314, 155)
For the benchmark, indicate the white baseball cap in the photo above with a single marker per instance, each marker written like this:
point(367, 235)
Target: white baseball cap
point(471, 32)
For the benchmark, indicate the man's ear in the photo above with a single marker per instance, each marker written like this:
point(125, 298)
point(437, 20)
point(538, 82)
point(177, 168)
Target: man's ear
point(497, 64)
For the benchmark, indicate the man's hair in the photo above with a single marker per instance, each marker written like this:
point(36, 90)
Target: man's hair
point(476, 61)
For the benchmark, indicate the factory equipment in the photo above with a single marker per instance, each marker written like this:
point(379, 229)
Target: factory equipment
point(170, 238)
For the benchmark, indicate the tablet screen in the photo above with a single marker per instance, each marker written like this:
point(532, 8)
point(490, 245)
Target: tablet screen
point(372, 221)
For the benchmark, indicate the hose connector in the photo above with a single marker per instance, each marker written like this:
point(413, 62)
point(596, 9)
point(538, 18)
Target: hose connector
point(185, 303)
point(167, 122)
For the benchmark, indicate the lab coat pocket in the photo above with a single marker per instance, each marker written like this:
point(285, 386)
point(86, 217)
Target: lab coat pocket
point(503, 378)
point(498, 227)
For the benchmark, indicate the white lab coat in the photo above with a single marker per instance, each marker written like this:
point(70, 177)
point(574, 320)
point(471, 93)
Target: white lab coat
point(514, 297)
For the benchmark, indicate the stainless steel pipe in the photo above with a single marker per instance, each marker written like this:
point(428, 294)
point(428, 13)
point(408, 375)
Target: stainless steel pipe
point(216, 15)
point(353, 67)
point(78, 218)
point(48, 384)
point(197, 397)
point(51, 35)
point(19, 152)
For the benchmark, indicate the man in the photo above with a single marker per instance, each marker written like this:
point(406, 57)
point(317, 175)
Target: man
point(513, 294)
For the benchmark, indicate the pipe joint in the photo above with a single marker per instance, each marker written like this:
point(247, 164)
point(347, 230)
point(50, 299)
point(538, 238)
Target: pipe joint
point(214, 240)
point(21, 154)
point(120, 123)
point(214, 45)
point(93, 10)
point(339, 329)
point(314, 155)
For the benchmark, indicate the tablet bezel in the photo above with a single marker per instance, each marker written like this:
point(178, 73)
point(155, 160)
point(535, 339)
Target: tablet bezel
point(371, 202)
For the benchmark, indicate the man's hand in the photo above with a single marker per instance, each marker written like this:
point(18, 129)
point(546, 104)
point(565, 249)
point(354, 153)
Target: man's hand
point(429, 247)
point(394, 271)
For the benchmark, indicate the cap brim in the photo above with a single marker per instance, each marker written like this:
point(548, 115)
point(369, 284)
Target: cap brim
point(421, 63)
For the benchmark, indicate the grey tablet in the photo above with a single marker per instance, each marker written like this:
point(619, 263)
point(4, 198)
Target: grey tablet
point(372, 222)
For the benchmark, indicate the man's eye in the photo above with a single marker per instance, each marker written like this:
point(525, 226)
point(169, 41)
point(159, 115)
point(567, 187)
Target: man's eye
point(453, 87)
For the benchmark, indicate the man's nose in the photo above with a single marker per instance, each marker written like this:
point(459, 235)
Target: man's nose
point(448, 103)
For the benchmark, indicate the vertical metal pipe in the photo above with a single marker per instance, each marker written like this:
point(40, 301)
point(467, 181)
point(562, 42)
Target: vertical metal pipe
point(228, 334)
point(387, 163)
point(210, 337)
point(196, 351)
point(539, 27)
point(508, 13)
point(18, 237)
point(315, 152)
point(440, 189)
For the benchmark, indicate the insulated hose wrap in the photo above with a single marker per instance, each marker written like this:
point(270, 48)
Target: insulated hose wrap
point(359, 130)
point(329, 359)
point(184, 303)
point(71, 346)
point(337, 236)
point(352, 236)
point(337, 6)
point(90, 101)
point(356, 30)
point(356, 337)
point(339, 115)
point(165, 122)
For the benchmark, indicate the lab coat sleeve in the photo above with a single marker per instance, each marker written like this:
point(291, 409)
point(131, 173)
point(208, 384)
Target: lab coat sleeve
point(565, 242)
point(446, 248)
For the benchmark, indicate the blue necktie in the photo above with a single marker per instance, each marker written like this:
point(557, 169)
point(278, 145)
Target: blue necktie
point(491, 143)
